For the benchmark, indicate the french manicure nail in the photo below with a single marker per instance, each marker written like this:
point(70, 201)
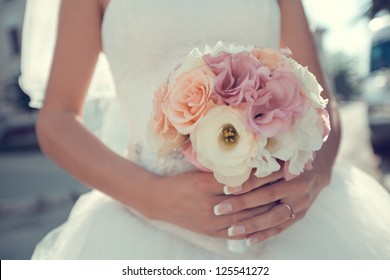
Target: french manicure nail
point(222, 208)
point(236, 230)
point(252, 240)
point(237, 246)
point(231, 190)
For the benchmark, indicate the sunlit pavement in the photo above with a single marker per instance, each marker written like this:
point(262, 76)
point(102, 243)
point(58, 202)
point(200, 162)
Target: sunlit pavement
point(355, 146)
point(36, 196)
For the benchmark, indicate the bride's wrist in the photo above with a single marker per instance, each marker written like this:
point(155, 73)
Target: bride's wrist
point(135, 187)
point(152, 197)
point(322, 171)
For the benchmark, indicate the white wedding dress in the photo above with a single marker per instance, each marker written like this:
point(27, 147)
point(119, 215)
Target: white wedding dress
point(144, 41)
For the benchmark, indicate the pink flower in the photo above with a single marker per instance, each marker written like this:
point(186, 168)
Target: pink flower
point(271, 110)
point(190, 98)
point(234, 109)
point(236, 74)
point(323, 122)
point(271, 58)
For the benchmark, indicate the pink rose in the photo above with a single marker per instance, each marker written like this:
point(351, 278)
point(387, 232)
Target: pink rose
point(271, 110)
point(190, 98)
point(236, 75)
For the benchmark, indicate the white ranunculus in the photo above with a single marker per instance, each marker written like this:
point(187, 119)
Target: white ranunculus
point(298, 143)
point(227, 154)
point(310, 86)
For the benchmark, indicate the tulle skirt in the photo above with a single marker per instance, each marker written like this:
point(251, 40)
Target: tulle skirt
point(350, 219)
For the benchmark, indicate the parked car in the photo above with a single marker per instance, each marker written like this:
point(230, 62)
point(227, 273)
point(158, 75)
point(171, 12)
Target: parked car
point(377, 85)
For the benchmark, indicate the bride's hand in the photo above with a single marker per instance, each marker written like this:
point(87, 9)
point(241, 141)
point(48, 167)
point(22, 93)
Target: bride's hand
point(189, 199)
point(291, 199)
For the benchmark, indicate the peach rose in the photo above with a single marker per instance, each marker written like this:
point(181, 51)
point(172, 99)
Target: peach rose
point(269, 57)
point(189, 99)
point(161, 124)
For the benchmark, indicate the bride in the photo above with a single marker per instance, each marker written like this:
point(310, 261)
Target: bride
point(137, 209)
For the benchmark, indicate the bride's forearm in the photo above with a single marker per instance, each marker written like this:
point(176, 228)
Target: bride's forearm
point(68, 142)
point(326, 157)
point(296, 35)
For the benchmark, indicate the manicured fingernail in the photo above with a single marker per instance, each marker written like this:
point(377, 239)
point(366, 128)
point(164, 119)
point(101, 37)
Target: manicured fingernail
point(236, 230)
point(252, 240)
point(237, 246)
point(222, 208)
point(231, 190)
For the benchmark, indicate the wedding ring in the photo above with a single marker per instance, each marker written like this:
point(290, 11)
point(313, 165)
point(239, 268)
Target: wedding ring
point(292, 213)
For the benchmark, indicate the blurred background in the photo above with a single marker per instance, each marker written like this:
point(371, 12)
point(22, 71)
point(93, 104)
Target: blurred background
point(353, 41)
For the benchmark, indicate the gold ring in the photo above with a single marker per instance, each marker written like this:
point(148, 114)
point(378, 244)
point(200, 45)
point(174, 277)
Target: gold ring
point(292, 213)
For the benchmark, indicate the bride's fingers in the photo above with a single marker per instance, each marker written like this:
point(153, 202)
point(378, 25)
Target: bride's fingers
point(229, 220)
point(254, 182)
point(278, 215)
point(263, 235)
point(255, 198)
point(224, 222)
point(261, 218)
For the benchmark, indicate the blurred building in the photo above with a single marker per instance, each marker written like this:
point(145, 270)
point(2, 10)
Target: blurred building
point(11, 22)
point(17, 120)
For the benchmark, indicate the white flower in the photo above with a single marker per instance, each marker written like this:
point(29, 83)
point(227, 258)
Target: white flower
point(221, 47)
point(298, 161)
point(298, 144)
point(263, 161)
point(224, 145)
point(310, 87)
point(192, 61)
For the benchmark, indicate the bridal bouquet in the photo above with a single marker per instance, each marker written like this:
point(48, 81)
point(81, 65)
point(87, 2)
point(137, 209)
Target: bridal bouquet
point(233, 109)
